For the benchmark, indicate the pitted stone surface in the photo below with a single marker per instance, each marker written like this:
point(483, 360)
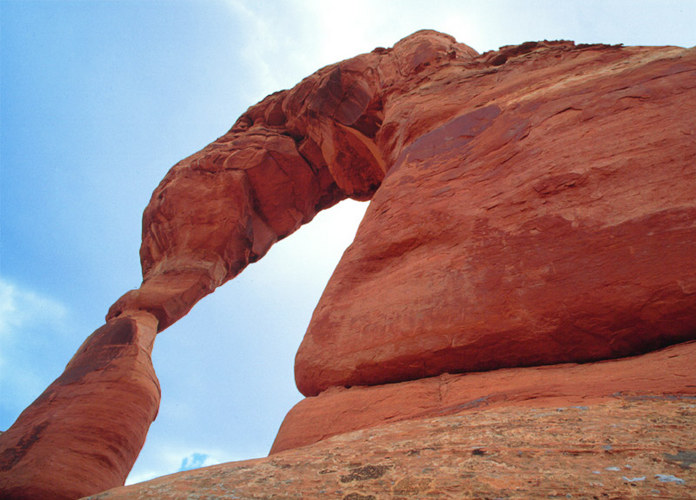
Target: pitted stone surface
point(622, 448)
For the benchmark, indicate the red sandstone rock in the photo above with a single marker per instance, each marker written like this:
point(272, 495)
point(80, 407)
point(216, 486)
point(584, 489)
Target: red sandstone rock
point(534, 212)
point(83, 434)
point(670, 372)
point(293, 154)
point(537, 207)
point(621, 448)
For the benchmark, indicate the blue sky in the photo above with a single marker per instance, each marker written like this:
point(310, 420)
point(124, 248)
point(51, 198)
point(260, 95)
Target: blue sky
point(100, 98)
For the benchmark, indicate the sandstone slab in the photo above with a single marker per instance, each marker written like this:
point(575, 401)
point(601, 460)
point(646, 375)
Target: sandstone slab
point(670, 372)
point(622, 448)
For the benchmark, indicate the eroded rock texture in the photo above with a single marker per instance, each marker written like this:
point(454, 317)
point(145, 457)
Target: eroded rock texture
point(535, 206)
point(599, 451)
point(290, 156)
point(532, 208)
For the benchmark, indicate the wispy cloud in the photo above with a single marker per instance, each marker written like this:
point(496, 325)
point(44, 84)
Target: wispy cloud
point(21, 307)
point(283, 42)
point(32, 325)
point(257, 51)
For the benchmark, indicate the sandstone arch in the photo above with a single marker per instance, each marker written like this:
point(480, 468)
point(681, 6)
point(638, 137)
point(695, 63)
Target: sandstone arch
point(531, 206)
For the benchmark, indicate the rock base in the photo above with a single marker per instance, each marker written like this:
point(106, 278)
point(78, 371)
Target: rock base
point(627, 447)
point(667, 372)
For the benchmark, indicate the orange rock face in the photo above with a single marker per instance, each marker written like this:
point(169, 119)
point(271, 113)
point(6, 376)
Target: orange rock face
point(535, 211)
point(670, 372)
point(530, 206)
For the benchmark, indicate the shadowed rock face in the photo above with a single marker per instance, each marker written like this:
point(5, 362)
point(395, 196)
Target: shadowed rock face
point(669, 372)
point(530, 206)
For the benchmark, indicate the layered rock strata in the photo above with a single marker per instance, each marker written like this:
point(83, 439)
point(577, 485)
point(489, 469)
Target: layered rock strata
point(530, 206)
point(670, 372)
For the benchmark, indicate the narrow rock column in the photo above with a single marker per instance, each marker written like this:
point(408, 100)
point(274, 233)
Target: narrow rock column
point(83, 434)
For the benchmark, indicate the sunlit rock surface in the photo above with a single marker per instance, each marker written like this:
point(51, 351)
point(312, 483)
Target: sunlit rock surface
point(535, 211)
point(668, 372)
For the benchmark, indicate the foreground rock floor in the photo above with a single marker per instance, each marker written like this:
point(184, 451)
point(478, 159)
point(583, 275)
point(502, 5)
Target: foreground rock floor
point(627, 447)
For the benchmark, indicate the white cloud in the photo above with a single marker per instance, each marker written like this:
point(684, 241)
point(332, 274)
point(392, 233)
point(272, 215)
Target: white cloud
point(366, 24)
point(282, 42)
point(263, 41)
point(171, 459)
point(195, 461)
point(32, 327)
point(20, 308)
point(345, 29)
